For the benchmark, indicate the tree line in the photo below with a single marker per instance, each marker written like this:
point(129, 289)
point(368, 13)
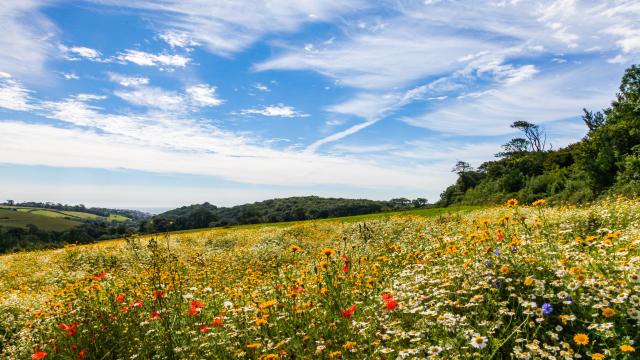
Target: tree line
point(605, 162)
point(275, 210)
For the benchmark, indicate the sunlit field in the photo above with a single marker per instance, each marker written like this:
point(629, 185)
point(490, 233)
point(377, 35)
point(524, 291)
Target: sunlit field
point(513, 281)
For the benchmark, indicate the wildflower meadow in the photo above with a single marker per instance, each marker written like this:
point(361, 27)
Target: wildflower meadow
point(517, 281)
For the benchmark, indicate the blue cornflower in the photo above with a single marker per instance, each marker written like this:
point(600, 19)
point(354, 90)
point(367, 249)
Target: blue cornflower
point(496, 252)
point(547, 308)
point(487, 263)
point(496, 283)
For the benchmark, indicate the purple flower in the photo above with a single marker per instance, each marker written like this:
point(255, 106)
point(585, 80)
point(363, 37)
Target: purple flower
point(487, 263)
point(547, 308)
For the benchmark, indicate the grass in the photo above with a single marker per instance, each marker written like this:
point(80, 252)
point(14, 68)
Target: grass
point(10, 218)
point(53, 213)
point(503, 282)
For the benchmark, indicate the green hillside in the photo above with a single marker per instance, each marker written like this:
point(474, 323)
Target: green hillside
point(12, 218)
point(71, 215)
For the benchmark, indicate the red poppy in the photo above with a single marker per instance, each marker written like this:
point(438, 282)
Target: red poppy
point(349, 312)
point(204, 328)
point(120, 298)
point(197, 304)
point(345, 266)
point(392, 304)
point(137, 304)
point(422, 261)
point(82, 354)
point(500, 236)
point(70, 329)
point(155, 315)
point(39, 355)
point(387, 297)
point(100, 276)
point(297, 289)
point(125, 309)
point(217, 322)
point(193, 311)
point(158, 294)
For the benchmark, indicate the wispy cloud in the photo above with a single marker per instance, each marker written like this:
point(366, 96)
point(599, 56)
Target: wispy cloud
point(147, 59)
point(279, 110)
point(228, 27)
point(204, 95)
point(127, 81)
point(25, 36)
point(13, 95)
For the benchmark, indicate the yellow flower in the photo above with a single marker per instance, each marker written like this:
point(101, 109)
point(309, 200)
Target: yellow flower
point(581, 339)
point(324, 265)
point(608, 312)
point(627, 348)
point(349, 345)
point(253, 346)
point(269, 357)
point(268, 304)
point(597, 356)
point(328, 252)
point(528, 281)
point(512, 202)
point(335, 355)
point(261, 321)
point(539, 202)
point(295, 248)
point(504, 269)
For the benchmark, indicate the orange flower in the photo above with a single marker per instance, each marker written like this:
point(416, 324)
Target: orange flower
point(581, 339)
point(39, 355)
point(120, 298)
point(608, 312)
point(70, 329)
point(627, 348)
point(347, 313)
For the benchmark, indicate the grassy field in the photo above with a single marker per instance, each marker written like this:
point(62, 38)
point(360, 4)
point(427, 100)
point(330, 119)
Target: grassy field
point(525, 282)
point(71, 215)
point(12, 218)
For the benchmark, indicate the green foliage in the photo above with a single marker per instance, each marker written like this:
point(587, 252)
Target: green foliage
point(271, 211)
point(606, 161)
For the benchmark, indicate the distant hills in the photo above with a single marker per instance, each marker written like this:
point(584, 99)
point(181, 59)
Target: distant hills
point(275, 210)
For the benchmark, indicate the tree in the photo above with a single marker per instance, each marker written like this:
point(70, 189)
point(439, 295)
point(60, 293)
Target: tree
point(10, 202)
point(420, 202)
point(535, 135)
point(594, 121)
point(461, 167)
point(513, 147)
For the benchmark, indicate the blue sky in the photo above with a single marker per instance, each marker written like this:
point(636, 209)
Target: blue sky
point(157, 104)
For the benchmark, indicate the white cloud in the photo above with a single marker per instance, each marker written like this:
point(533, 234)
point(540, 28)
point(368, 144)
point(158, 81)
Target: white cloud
point(127, 81)
point(13, 95)
point(279, 110)
point(72, 53)
point(89, 97)
point(70, 76)
point(227, 27)
point(178, 39)
point(261, 87)
point(404, 52)
point(24, 39)
point(152, 97)
point(544, 99)
point(147, 59)
point(203, 95)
